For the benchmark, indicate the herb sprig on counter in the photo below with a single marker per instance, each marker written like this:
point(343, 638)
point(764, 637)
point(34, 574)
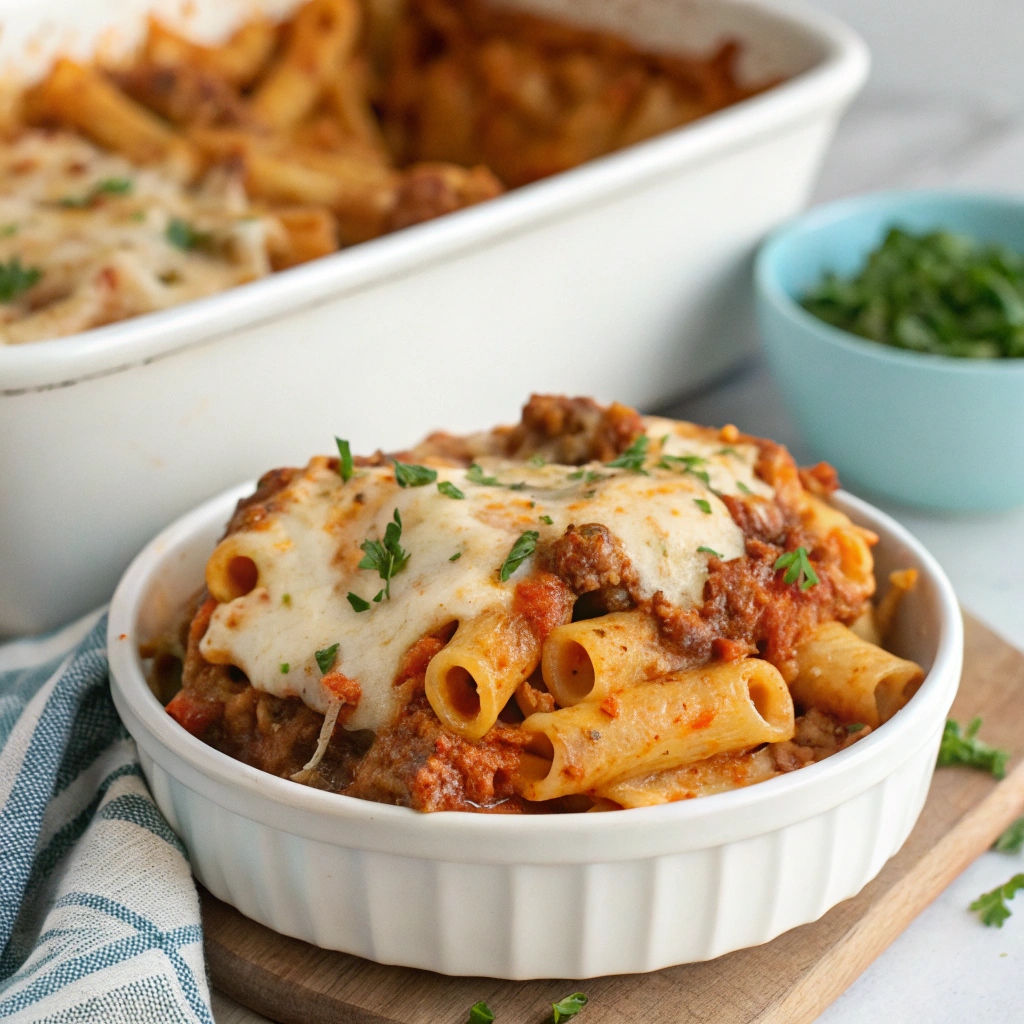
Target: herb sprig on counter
point(991, 906)
point(969, 751)
point(939, 293)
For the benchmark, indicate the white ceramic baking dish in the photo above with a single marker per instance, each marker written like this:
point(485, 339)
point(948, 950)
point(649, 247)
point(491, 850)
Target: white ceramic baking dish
point(542, 896)
point(628, 276)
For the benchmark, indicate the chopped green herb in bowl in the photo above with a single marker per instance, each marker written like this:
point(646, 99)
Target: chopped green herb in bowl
point(936, 292)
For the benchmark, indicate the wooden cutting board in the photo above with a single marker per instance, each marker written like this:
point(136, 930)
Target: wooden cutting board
point(787, 981)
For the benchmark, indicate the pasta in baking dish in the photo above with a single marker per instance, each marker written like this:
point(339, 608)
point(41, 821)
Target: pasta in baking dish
point(590, 610)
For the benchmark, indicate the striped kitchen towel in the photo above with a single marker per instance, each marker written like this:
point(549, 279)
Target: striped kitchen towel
point(99, 918)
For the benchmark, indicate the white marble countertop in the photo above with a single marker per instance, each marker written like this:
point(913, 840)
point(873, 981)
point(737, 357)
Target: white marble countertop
point(946, 967)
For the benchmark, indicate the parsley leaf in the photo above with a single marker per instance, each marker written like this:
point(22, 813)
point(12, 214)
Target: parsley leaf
point(407, 475)
point(1012, 840)
point(184, 236)
point(455, 557)
point(538, 461)
point(686, 464)
point(798, 568)
point(358, 604)
point(285, 668)
point(743, 488)
point(286, 600)
point(588, 476)
point(969, 751)
point(480, 1013)
point(449, 490)
point(548, 520)
point(475, 475)
point(386, 556)
point(15, 279)
point(8, 229)
point(106, 186)
point(325, 658)
point(991, 906)
point(855, 727)
point(709, 551)
point(633, 457)
point(344, 459)
point(703, 504)
point(568, 1007)
point(521, 551)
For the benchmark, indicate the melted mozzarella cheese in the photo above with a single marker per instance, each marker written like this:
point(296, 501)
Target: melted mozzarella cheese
point(308, 548)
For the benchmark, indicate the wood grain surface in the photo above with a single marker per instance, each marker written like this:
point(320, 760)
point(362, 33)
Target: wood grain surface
point(787, 981)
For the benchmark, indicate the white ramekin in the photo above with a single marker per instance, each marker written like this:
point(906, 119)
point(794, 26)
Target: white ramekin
point(628, 277)
point(567, 896)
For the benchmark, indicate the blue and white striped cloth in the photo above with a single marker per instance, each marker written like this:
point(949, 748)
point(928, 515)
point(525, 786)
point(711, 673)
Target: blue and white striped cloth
point(99, 917)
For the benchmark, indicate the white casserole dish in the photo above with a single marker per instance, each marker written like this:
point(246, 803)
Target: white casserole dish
point(568, 896)
point(628, 276)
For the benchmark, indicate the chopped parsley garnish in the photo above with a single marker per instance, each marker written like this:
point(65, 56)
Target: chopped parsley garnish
point(325, 658)
point(184, 236)
point(8, 229)
point(969, 751)
point(521, 551)
point(475, 475)
point(455, 557)
point(449, 490)
point(855, 727)
point(15, 279)
point(686, 464)
point(345, 467)
point(284, 668)
point(1012, 840)
point(548, 520)
point(568, 1007)
point(386, 556)
point(105, 187)
point(407, 475)
point(709, 551)
point(991, 906)
point(286, 600)
point(537, 461)
point(358, 604)
point(936, 292)
point(633, 457)
point(588, 476)
point(703, 504)
point(727, 451)
point(798, 568)
point(743, 488)
point(480, 1013)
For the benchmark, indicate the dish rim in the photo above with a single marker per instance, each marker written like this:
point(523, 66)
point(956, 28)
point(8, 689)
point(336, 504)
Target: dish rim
point(60, 362)
point(306, 811)
point(834, 215)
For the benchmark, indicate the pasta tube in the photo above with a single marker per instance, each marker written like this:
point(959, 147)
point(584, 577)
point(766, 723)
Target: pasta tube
point(322, 34)
point(716, 774)
point(678, 719)
point(854, 680)
point(587, 660)
point(470, 680)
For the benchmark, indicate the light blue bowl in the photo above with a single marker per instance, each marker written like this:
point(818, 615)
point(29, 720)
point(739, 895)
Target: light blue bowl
point(929, 431)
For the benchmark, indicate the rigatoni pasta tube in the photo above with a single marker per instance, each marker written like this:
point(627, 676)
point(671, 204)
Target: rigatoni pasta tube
point(472, 678)
point(842, 674)
point(587, 660)
point(678, 719)
point(716, 774)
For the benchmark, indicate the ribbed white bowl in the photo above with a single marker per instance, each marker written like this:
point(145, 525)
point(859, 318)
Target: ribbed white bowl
point(549, 896)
